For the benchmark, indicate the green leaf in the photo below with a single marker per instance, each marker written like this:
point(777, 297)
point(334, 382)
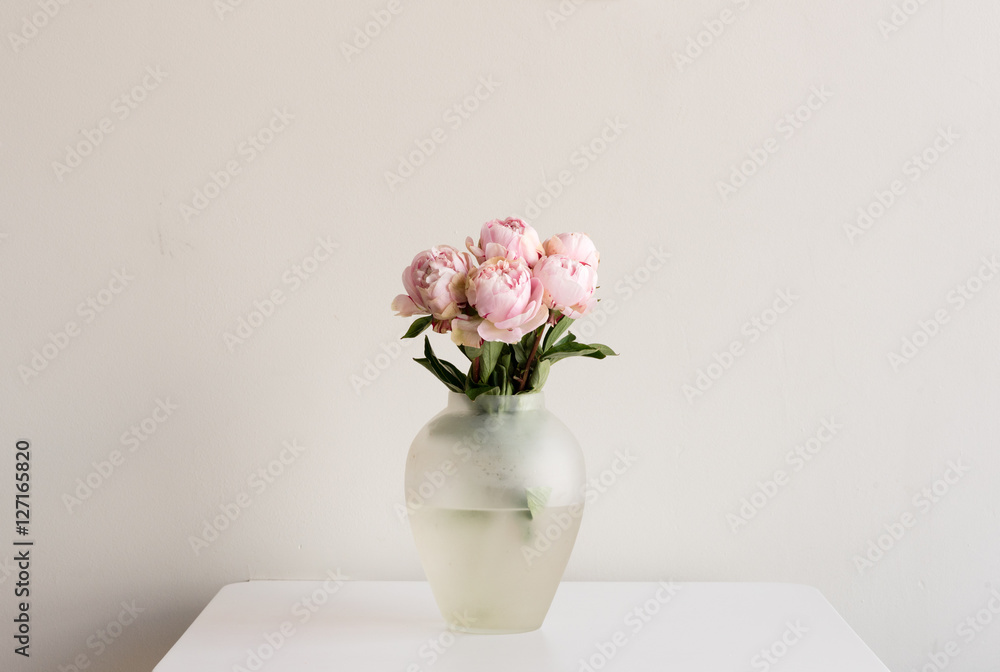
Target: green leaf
point(429, 351)
point(474, 392)
point(539, 374)
point(456, 373)
point(438, 373)
point(490, 356)
point(537, 497)
point(501, 380)
point(602, 351)
point(557, 356)
point(418, 327)
point(449, 374)
point(555, 332)
point(520, 353)
point(568, 338)
point(570, 349)
point(470, 353)
point(505, 361)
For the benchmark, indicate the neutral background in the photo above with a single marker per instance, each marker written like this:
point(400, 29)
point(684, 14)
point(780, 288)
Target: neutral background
point(324, 368)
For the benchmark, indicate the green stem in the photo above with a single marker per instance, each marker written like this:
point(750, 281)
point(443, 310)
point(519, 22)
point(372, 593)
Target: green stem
point(531, 358)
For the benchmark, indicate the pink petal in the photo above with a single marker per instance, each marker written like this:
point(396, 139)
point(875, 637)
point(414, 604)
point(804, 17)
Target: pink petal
point(404, 306)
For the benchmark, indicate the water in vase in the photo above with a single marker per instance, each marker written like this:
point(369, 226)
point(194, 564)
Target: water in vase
point(495, 570)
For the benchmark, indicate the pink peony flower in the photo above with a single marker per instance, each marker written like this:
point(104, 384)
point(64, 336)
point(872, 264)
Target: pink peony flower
point(465, 331)
point(507, 298)
point(576, 246)
point(505, 238)
point(435, 284)
point(569, 284)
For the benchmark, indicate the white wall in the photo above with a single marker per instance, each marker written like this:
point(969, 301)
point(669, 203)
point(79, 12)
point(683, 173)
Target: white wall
point(162, 336)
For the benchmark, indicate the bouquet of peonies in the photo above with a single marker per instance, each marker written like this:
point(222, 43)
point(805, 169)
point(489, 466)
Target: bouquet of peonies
point(498, 311)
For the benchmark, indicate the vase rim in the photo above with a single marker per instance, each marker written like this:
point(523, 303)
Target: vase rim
point(498, 403)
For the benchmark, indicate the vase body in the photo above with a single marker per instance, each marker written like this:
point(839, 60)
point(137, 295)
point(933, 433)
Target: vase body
point(495, 494)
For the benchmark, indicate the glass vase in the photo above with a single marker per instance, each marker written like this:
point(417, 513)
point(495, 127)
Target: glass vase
point(495, 494)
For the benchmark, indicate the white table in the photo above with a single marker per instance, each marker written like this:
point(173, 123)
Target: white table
point(307, 626)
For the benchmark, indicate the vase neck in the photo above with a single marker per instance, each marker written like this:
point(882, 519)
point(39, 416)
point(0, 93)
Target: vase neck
point(497, 403)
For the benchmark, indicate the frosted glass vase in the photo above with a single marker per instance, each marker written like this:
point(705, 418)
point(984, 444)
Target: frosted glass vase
point(495, 493)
